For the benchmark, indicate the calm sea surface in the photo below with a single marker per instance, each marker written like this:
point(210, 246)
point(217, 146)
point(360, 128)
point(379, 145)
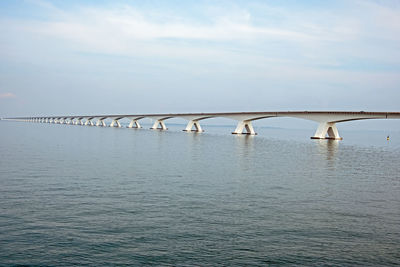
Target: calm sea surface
point(73, 195)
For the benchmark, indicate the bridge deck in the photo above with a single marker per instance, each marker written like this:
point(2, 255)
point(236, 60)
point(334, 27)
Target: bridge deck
point(221, 114)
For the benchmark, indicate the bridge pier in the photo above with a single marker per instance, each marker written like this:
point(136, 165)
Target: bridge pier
point(101, 122)
point(242, 125)
point(327, 128)
point(115, 122)
point(159, 125)
point(134, 122)
point(89, 122)
point(196, 124)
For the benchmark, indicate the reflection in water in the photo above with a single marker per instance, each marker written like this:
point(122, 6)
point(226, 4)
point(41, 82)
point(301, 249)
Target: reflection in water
point(193, 137)
point(328, 149)
point(194, 145)
point(244, 151)
point(244, 145)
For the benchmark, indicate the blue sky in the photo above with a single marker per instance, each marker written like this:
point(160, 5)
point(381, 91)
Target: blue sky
point(73, 57)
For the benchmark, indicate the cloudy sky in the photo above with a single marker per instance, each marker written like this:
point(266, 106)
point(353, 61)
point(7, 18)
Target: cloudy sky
point(74, 57)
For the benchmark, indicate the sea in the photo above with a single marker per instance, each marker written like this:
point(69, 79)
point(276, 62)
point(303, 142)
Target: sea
point(99, 196)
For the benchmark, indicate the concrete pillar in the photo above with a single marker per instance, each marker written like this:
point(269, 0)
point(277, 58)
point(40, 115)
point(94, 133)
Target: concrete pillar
point(242, 125)
point(196, 124)
point(115, 122)
point(101, 122)
point(325, 128)
point(159, 125)
point(134, 124)
point(89, 122)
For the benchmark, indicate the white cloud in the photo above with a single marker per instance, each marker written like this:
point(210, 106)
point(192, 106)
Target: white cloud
point(317, 35)
point(298, 39)
point(98, 25)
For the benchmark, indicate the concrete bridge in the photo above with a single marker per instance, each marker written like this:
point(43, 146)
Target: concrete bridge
point(326, 130)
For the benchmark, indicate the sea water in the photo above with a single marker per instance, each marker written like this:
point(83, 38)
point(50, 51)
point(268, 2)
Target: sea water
point(80, 195)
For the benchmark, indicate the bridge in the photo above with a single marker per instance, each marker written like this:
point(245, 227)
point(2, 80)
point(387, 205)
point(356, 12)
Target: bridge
point(327, 120)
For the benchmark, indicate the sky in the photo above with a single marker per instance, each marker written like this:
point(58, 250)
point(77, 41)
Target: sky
point(117, 57)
